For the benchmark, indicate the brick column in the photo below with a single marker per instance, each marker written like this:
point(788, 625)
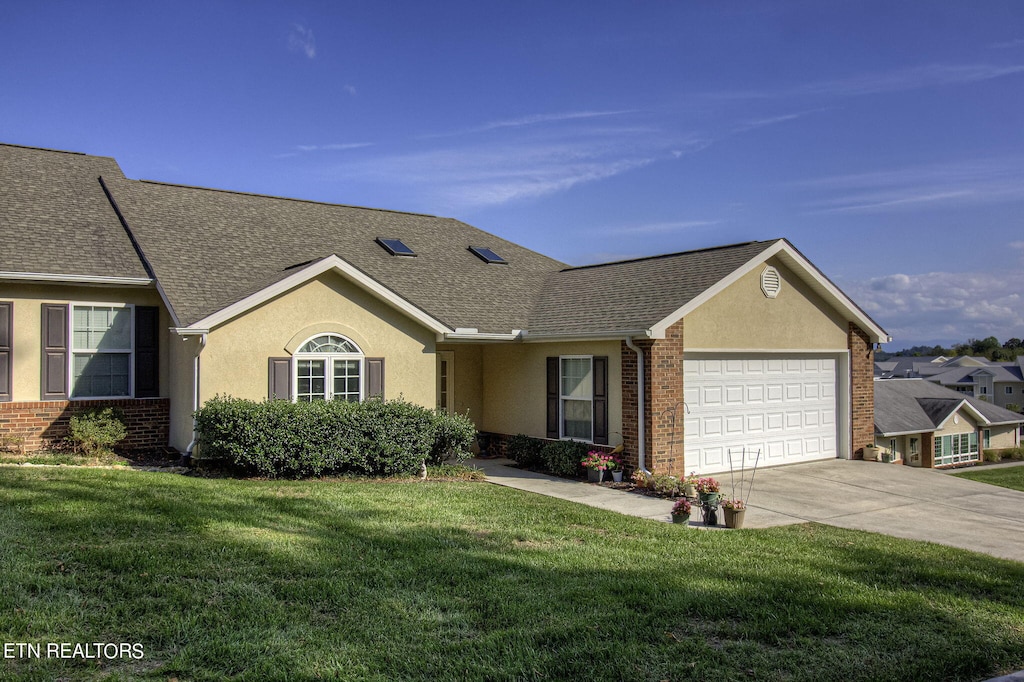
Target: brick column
point(666, 420)
point(928, 450)
point(862, 389)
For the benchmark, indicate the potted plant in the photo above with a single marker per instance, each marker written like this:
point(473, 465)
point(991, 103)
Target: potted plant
point(681, 511)
point(708, 490)
point(735, 509)
point(616, 468)
point(690, 485)
point(597, 462)
point(871, 452)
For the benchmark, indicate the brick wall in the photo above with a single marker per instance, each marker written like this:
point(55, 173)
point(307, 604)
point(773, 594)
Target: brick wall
point(40, 425)
point(666, 418)
point(928, 450)
point(862, 389)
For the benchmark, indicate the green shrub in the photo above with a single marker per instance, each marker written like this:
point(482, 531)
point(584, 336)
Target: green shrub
point(453, 437)
point(667, 485)
point(377, 438)
point(563, 457)
point(97, 430)
point(525, 450)
point(993, 455)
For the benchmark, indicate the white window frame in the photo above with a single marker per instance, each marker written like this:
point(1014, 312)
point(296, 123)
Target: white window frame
point(1008, 390)
point(72, 351)
point(446, 385)
point(328, 360)
point(562, 398)
point(959, 450)
point(986, 438)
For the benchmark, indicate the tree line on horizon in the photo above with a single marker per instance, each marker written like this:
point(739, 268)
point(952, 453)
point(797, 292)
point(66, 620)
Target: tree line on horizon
point(989, 348)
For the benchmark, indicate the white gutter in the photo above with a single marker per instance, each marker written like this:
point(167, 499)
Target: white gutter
point(641, 453)
point(195, 398)
point(75, 279)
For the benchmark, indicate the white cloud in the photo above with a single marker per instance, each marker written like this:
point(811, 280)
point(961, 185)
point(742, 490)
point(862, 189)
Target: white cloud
point(531, 120)
point(970, 182)
point(350, 89)
point(944, 307)
point(301, 39)
point(774, 120)
point(332, 147)
point(524, 163)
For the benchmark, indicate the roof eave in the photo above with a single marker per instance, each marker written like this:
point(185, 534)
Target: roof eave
point(59, 278)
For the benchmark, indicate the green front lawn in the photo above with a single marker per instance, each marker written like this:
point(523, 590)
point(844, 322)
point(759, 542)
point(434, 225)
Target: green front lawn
point(391, 580)
point(1008, 477)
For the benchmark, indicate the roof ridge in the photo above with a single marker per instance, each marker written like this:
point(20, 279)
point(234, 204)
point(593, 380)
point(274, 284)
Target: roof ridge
point(43, 149)
point(666, 255)
point(281, 198)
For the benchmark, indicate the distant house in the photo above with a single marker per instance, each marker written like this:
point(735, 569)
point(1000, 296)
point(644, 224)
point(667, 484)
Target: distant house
point(157, 297)
point(923, 424)
point(1000, 383)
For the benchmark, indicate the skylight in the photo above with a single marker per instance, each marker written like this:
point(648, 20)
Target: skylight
point(486, 255)
point(395, 247)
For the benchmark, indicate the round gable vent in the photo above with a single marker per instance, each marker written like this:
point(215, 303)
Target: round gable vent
point(771, 282)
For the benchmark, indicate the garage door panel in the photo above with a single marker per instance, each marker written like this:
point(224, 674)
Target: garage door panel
point(786, 407)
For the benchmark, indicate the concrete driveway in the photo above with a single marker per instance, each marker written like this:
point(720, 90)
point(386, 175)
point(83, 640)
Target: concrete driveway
point(918, 504)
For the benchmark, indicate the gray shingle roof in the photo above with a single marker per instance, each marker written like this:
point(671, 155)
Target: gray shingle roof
point(211, 248)
point(635, 294)
point(917, 405)
point(56, 219)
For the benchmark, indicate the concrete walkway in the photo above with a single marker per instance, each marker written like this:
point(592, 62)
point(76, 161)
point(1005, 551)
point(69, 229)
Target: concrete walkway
point(918, 504)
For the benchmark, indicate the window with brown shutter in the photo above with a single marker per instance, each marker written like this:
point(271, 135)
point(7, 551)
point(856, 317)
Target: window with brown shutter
point(6, 343)
point(54, 367)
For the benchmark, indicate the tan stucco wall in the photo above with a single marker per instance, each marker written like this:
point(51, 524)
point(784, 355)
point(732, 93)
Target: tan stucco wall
point(515, 386)
point(742, 317)
point(28, 298)
point(468, 385)
point(1002, 437)
point(234, 361)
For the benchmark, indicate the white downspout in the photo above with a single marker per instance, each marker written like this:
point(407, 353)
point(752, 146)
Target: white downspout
point(195, 400)
point(641, 453)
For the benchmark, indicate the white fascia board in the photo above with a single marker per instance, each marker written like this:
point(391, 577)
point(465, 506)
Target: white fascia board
point(478, 337)
point(308, 273)
point(75, 279)
point(793, 259)
point(768, 351)
point(889, 434)
point(585, 336)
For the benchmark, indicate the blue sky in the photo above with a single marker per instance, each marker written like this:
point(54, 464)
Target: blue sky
point(885, 140)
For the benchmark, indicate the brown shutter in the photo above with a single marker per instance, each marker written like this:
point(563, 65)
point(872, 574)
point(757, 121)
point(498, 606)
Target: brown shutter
point(6, 332)
point(553, 397)
point(375, 378)
point(601, 400)
point(280, 378)
point(147, 351)
point(54, 377)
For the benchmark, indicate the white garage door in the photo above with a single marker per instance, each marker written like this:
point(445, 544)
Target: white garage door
point(783, 406)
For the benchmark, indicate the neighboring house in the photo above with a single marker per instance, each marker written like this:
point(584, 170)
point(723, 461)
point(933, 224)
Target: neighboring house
point(157, 297)
point(926, 425)
point(1001, 383)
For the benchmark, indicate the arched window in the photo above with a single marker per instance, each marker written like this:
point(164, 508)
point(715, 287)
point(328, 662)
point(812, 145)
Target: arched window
point(328, 367)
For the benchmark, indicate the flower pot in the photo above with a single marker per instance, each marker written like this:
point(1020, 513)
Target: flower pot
point(690, 491)
point(734, 517)
point(617, 476)
point(681, 518)
point(871, 453)
point(709, 498)
point(595, 475)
